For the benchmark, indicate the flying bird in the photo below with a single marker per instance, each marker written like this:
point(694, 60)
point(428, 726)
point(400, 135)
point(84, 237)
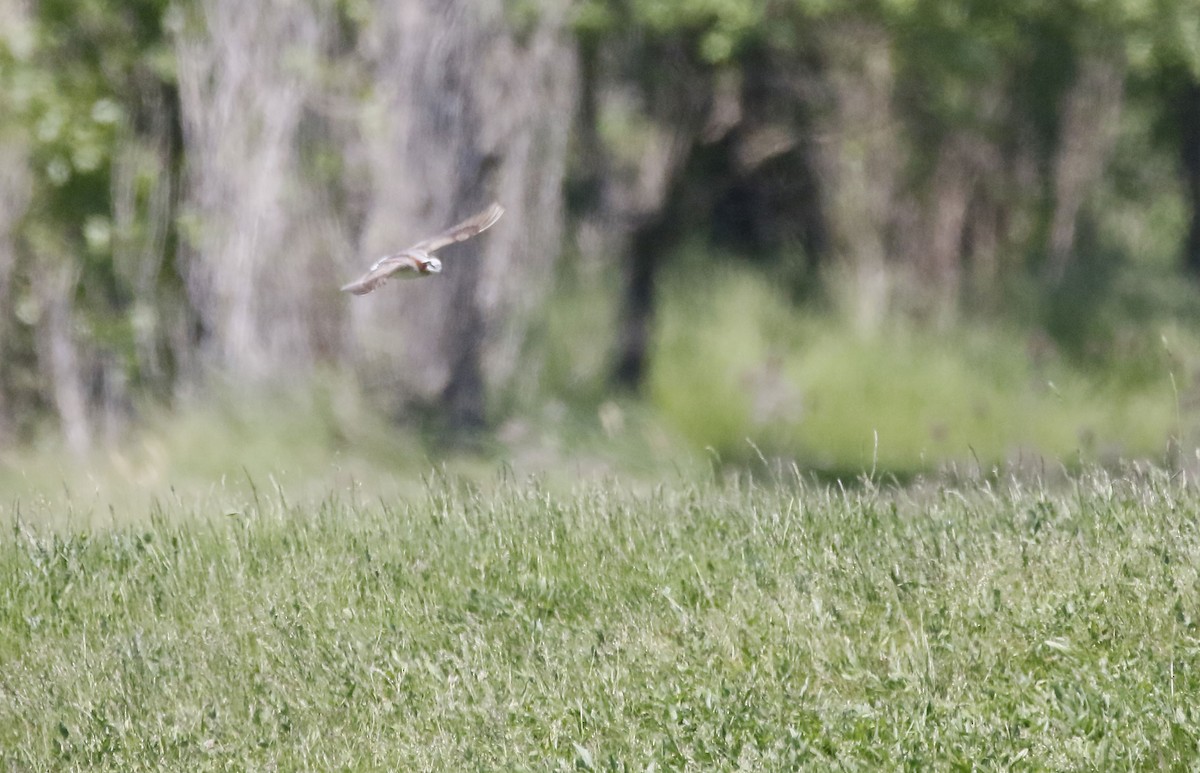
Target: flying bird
point(418, 261)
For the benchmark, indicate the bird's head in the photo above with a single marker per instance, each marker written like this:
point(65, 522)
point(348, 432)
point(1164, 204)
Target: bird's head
point(431, 265)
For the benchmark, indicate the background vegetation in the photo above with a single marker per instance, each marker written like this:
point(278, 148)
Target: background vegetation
point(884, 234)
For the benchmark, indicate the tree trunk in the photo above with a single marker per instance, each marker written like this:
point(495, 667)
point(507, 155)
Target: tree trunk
point(256, 270)
point(637, 307)
point(58, 352)
point(464, 397)
point(1189, 118)
point(626, 191)
point(696, 182)
point(466, 111)
point(14, 198)
point(859, 159)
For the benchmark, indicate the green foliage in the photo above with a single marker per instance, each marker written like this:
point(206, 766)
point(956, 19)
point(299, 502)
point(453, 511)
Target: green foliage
point(773, 626)
point(720, 27)
point(1161, 36)
point(737, 370)
point(947, 39)
point(73, 79)
point(81, 84)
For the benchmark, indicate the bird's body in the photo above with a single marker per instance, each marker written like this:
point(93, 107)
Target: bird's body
point(418, 261)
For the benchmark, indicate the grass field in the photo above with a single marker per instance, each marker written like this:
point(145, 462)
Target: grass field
point(768, 625)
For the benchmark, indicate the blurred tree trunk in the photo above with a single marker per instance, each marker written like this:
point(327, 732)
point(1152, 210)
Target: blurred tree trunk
point(859, 157)
point(465, 109)
point(1189, 120)
point(637, 306)
point(255, 266)
point(14, 198)
point(718, 154)
point(15, 192)
point(704, 177)
point(464, 396)
point(947, 230)
point(58, 350)
point(938, 257)
point(629, 209)
point(659, 233)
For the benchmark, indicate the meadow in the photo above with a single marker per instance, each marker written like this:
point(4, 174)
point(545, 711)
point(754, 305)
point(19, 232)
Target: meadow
point(703, 622)
point(787, 421)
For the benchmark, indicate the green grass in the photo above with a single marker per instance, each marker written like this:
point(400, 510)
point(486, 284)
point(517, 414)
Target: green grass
point(328, 438)
point(684, 626)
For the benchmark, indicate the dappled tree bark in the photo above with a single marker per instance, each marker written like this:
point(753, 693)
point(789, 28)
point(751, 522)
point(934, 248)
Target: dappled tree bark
point(14, 198)
point(585, 178)
point(940, 262)
point(58, 351)
point(999, 230)
point(255, 265)
point(466, 109)
point(1189, 125)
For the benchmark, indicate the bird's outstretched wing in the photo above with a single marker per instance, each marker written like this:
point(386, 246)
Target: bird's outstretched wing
point(416, 258)
point(377, 275)
point(473, 225)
